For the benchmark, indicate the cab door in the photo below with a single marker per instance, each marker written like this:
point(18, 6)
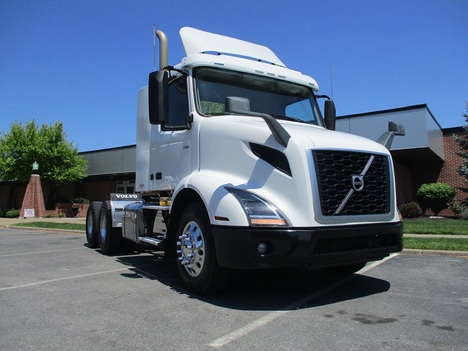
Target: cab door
point(171, 158)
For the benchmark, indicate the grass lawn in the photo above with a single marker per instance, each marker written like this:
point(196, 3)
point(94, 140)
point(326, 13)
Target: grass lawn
point(435, 226)
point(69, 226)
point(448, 244)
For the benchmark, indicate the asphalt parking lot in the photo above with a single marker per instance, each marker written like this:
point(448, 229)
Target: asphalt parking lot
point(57, 294)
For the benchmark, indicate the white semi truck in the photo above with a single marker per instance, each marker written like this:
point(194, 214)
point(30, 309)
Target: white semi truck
point(236, 168)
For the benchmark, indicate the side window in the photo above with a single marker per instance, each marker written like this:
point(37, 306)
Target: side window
point(178, 104)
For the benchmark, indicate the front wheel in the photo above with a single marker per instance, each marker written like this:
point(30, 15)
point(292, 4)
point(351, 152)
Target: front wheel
point(196, 256)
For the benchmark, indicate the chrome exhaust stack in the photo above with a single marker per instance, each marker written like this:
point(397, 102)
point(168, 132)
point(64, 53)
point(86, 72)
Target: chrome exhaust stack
point(163, 49)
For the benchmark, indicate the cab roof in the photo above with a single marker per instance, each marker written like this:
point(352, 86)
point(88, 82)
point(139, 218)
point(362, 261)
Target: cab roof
point(196, 41)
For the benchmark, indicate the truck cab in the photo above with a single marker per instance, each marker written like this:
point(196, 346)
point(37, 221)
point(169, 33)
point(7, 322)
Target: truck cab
point(237, 168)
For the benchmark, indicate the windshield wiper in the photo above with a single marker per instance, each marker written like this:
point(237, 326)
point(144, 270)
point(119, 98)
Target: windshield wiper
point(215, 114)
point(287, 118)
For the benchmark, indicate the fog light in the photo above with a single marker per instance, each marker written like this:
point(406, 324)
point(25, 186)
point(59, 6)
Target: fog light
point(262, 248)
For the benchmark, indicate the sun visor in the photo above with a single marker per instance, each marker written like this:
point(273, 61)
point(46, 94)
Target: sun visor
point(196, 41)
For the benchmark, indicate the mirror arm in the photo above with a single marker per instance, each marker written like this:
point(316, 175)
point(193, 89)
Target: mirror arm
point(386, 139)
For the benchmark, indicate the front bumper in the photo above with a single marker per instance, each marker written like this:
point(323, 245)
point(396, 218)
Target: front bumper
point(317, 247)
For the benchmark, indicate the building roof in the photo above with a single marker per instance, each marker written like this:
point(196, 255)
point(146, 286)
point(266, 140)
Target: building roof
point(394, 110)
point(424, 137)
point(452, 130)
point(116, 160)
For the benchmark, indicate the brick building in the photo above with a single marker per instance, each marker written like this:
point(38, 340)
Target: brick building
point(449, 172)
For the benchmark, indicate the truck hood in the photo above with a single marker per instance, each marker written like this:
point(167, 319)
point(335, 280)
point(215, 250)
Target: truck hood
point(322, 138)
point(241, 151)
point(303, 135)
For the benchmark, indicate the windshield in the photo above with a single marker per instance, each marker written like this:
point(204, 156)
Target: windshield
point(278, 98)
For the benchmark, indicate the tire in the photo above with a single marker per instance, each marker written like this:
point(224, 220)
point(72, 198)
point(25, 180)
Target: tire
point(92, 224)
point(346, 269)
point(196, 256)
point(109, 238)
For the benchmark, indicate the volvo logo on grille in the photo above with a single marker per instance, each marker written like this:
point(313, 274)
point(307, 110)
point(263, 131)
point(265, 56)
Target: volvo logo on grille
point(357, 181)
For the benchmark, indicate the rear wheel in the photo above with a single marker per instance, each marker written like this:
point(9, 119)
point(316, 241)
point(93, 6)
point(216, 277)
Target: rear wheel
point(197, 262)
point(92, 224)
point(109, 237)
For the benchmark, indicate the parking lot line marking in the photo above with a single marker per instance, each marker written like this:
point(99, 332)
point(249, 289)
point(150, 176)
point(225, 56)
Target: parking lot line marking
point(67, 278)
point(41, 252)
point(377, 263)
point(236, 334)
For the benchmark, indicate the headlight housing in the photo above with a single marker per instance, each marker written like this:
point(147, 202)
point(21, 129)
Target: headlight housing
point(260, 212)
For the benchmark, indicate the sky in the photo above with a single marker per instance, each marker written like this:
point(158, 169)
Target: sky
point(82, 62)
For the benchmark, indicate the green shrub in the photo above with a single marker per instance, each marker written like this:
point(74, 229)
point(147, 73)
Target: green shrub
point(12, 213)
point(410, 210)
point(435, 196)
point(464, 214)
point(457, 207)
point(460, 209)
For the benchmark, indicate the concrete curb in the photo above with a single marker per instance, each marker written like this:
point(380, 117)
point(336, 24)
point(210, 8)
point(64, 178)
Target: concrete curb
point(44, 229)
point(436, 236)
point(463, 254)
point(10, 223)
point(435, 252)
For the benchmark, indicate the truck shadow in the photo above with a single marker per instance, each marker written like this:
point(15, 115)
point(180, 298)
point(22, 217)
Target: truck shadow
point(291, 289)
point(262, 290)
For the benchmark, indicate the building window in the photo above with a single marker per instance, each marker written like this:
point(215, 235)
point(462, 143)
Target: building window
point(125, 187)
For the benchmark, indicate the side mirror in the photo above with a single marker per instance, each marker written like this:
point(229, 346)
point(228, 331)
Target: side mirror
point(398, 129)
point(330, 115)
point(386, 139)
point(158, 102)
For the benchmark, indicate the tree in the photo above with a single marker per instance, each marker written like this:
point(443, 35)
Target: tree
point(462, 141)
point(58, 159)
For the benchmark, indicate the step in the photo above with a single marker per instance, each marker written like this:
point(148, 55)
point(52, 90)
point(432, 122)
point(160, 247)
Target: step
point(150, 240)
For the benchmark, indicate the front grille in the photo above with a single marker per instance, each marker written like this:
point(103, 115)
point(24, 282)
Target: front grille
point(352, 183)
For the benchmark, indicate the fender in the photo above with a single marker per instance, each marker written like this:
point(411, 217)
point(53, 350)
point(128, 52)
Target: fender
point(118, 203)
point(221, 205)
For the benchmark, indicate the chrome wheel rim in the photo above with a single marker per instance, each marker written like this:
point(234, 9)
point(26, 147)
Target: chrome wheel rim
point(191, 249)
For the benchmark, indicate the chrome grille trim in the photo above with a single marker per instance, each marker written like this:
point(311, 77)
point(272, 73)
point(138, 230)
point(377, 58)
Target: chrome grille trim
point(340, 197)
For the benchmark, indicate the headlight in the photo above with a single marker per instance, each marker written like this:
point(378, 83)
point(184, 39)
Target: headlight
point(259, 211)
